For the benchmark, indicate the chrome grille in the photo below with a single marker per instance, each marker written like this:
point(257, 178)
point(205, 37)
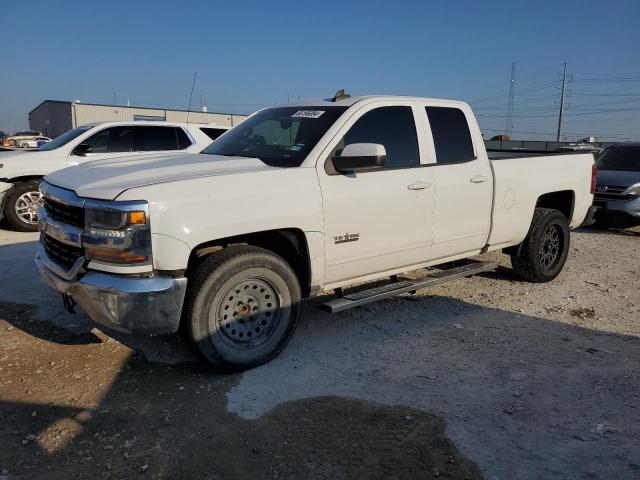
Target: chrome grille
point(70, 214)
point(61, 253)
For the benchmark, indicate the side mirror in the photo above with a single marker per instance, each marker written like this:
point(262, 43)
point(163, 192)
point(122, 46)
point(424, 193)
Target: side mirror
point(81, 150)
point(360, 157)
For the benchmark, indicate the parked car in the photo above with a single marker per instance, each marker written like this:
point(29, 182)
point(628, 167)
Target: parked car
point(21, 172)
point(618, 191)
point(35, 142)
point(17, 139)
point(294, 201)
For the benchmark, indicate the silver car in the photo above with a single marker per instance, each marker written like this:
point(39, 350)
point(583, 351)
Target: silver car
point(618, 186)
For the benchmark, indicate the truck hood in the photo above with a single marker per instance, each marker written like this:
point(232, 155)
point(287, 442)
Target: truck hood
point(108, 178)
point(18, 164)
point(617, 178)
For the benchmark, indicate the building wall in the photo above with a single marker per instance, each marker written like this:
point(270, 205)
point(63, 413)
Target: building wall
point(54, 118)
point(85, 113)
point(51, 118)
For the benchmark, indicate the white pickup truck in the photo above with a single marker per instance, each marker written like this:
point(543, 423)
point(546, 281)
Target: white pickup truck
point(21, 172)
point(295, 201)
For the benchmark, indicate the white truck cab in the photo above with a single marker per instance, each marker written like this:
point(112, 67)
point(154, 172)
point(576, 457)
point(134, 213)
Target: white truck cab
point(298, 200)
point(20, 172)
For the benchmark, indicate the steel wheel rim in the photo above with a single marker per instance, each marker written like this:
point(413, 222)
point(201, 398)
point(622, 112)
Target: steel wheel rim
point(550, 250)
point(27, 206)
point(248, 313)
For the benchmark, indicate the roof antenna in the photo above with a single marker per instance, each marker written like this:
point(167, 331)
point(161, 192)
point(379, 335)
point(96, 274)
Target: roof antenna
point(191, 95)
point(340, 95)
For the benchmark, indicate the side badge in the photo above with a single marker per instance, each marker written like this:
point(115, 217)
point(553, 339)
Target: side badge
point(347, 237)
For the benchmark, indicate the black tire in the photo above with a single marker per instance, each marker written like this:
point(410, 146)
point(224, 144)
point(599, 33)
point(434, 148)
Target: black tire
point(13, 196)
point(266, 293)
point(544, 251)
point(12, 142)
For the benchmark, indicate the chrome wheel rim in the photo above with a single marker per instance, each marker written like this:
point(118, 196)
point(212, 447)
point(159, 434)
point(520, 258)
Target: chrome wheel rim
point(551, 247)
point(249, 312)
point(27, 206)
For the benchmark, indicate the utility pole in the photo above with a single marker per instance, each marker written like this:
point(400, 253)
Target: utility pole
point(564, 78)
point(512, 95)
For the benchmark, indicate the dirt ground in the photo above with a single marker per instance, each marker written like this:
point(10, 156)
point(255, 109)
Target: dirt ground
point(485, 377)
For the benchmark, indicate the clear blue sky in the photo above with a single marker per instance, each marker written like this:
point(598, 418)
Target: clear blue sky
point(250, 54)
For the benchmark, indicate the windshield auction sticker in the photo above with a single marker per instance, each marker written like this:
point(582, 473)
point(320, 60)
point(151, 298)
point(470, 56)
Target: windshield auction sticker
point(307, 114)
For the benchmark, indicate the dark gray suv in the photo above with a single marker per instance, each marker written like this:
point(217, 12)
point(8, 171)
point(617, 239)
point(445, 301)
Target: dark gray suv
point(618, 186)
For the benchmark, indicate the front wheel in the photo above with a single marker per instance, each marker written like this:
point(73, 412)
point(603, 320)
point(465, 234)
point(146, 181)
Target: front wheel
point(22, 204)
point(242, 307)
point(544, 251)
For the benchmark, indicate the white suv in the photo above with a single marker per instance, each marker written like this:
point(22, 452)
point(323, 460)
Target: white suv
point(21, 172)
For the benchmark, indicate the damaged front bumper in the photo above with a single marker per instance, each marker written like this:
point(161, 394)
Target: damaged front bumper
point(132, 305)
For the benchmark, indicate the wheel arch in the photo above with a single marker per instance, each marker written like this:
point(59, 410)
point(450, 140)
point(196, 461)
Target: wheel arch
point(289, 243)
point(562, 200)
point(25, 178)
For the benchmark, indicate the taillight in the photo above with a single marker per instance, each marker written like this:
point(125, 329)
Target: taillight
point(594, 173)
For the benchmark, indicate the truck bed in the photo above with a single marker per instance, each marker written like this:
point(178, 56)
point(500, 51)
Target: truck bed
point(507, 154)
point(519, 180)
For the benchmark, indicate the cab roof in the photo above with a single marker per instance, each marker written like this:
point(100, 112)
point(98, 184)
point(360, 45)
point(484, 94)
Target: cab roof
point(349, 101)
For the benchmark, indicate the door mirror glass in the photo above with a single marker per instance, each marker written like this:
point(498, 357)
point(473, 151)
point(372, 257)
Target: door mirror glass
point(82, 149)
point(358, 157)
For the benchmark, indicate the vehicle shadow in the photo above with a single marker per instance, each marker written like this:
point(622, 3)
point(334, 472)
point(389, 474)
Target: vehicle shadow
point(518, 394)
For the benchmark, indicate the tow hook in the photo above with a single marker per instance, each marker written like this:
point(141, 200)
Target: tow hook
point(69, 303)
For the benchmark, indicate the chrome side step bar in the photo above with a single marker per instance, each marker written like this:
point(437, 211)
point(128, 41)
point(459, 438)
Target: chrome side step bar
point(392, 289)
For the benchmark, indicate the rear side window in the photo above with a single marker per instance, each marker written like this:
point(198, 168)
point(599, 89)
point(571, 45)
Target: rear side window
point(213, 133)
point(158, 138)
point(450, 135)
point(392, 127)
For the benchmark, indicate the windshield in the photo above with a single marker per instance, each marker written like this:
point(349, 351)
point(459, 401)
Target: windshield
point(65, 138)
point(280, 137)
point(620, 158)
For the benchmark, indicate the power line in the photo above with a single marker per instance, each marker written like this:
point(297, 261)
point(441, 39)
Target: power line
point(533, 88)
point(607, 79)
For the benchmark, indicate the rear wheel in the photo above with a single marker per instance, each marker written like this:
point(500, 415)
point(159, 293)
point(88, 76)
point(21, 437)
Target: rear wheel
point(544, 251)
point(242, 308)
point(25, 145)
point(22, 204)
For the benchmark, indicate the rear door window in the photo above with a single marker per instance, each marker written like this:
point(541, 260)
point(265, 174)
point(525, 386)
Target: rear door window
point(154, 138)
point(451, 135)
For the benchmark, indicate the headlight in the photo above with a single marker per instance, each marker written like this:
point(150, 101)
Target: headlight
point(632, 190)
point(117, 233)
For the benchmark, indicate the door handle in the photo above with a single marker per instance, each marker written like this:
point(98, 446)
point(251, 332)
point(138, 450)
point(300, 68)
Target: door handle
point(418, 185)
point(478, 179)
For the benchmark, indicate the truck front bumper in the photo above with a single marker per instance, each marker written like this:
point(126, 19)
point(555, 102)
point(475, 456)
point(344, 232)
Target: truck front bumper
point(130, 305)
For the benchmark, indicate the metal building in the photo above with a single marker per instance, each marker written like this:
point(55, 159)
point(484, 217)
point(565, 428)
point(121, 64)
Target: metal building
point(54, 117)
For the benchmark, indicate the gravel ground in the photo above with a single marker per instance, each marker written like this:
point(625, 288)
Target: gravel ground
point(484, 376)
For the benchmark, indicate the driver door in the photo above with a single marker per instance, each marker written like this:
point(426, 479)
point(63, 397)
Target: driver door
point(111, 142)
point(378, 220)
